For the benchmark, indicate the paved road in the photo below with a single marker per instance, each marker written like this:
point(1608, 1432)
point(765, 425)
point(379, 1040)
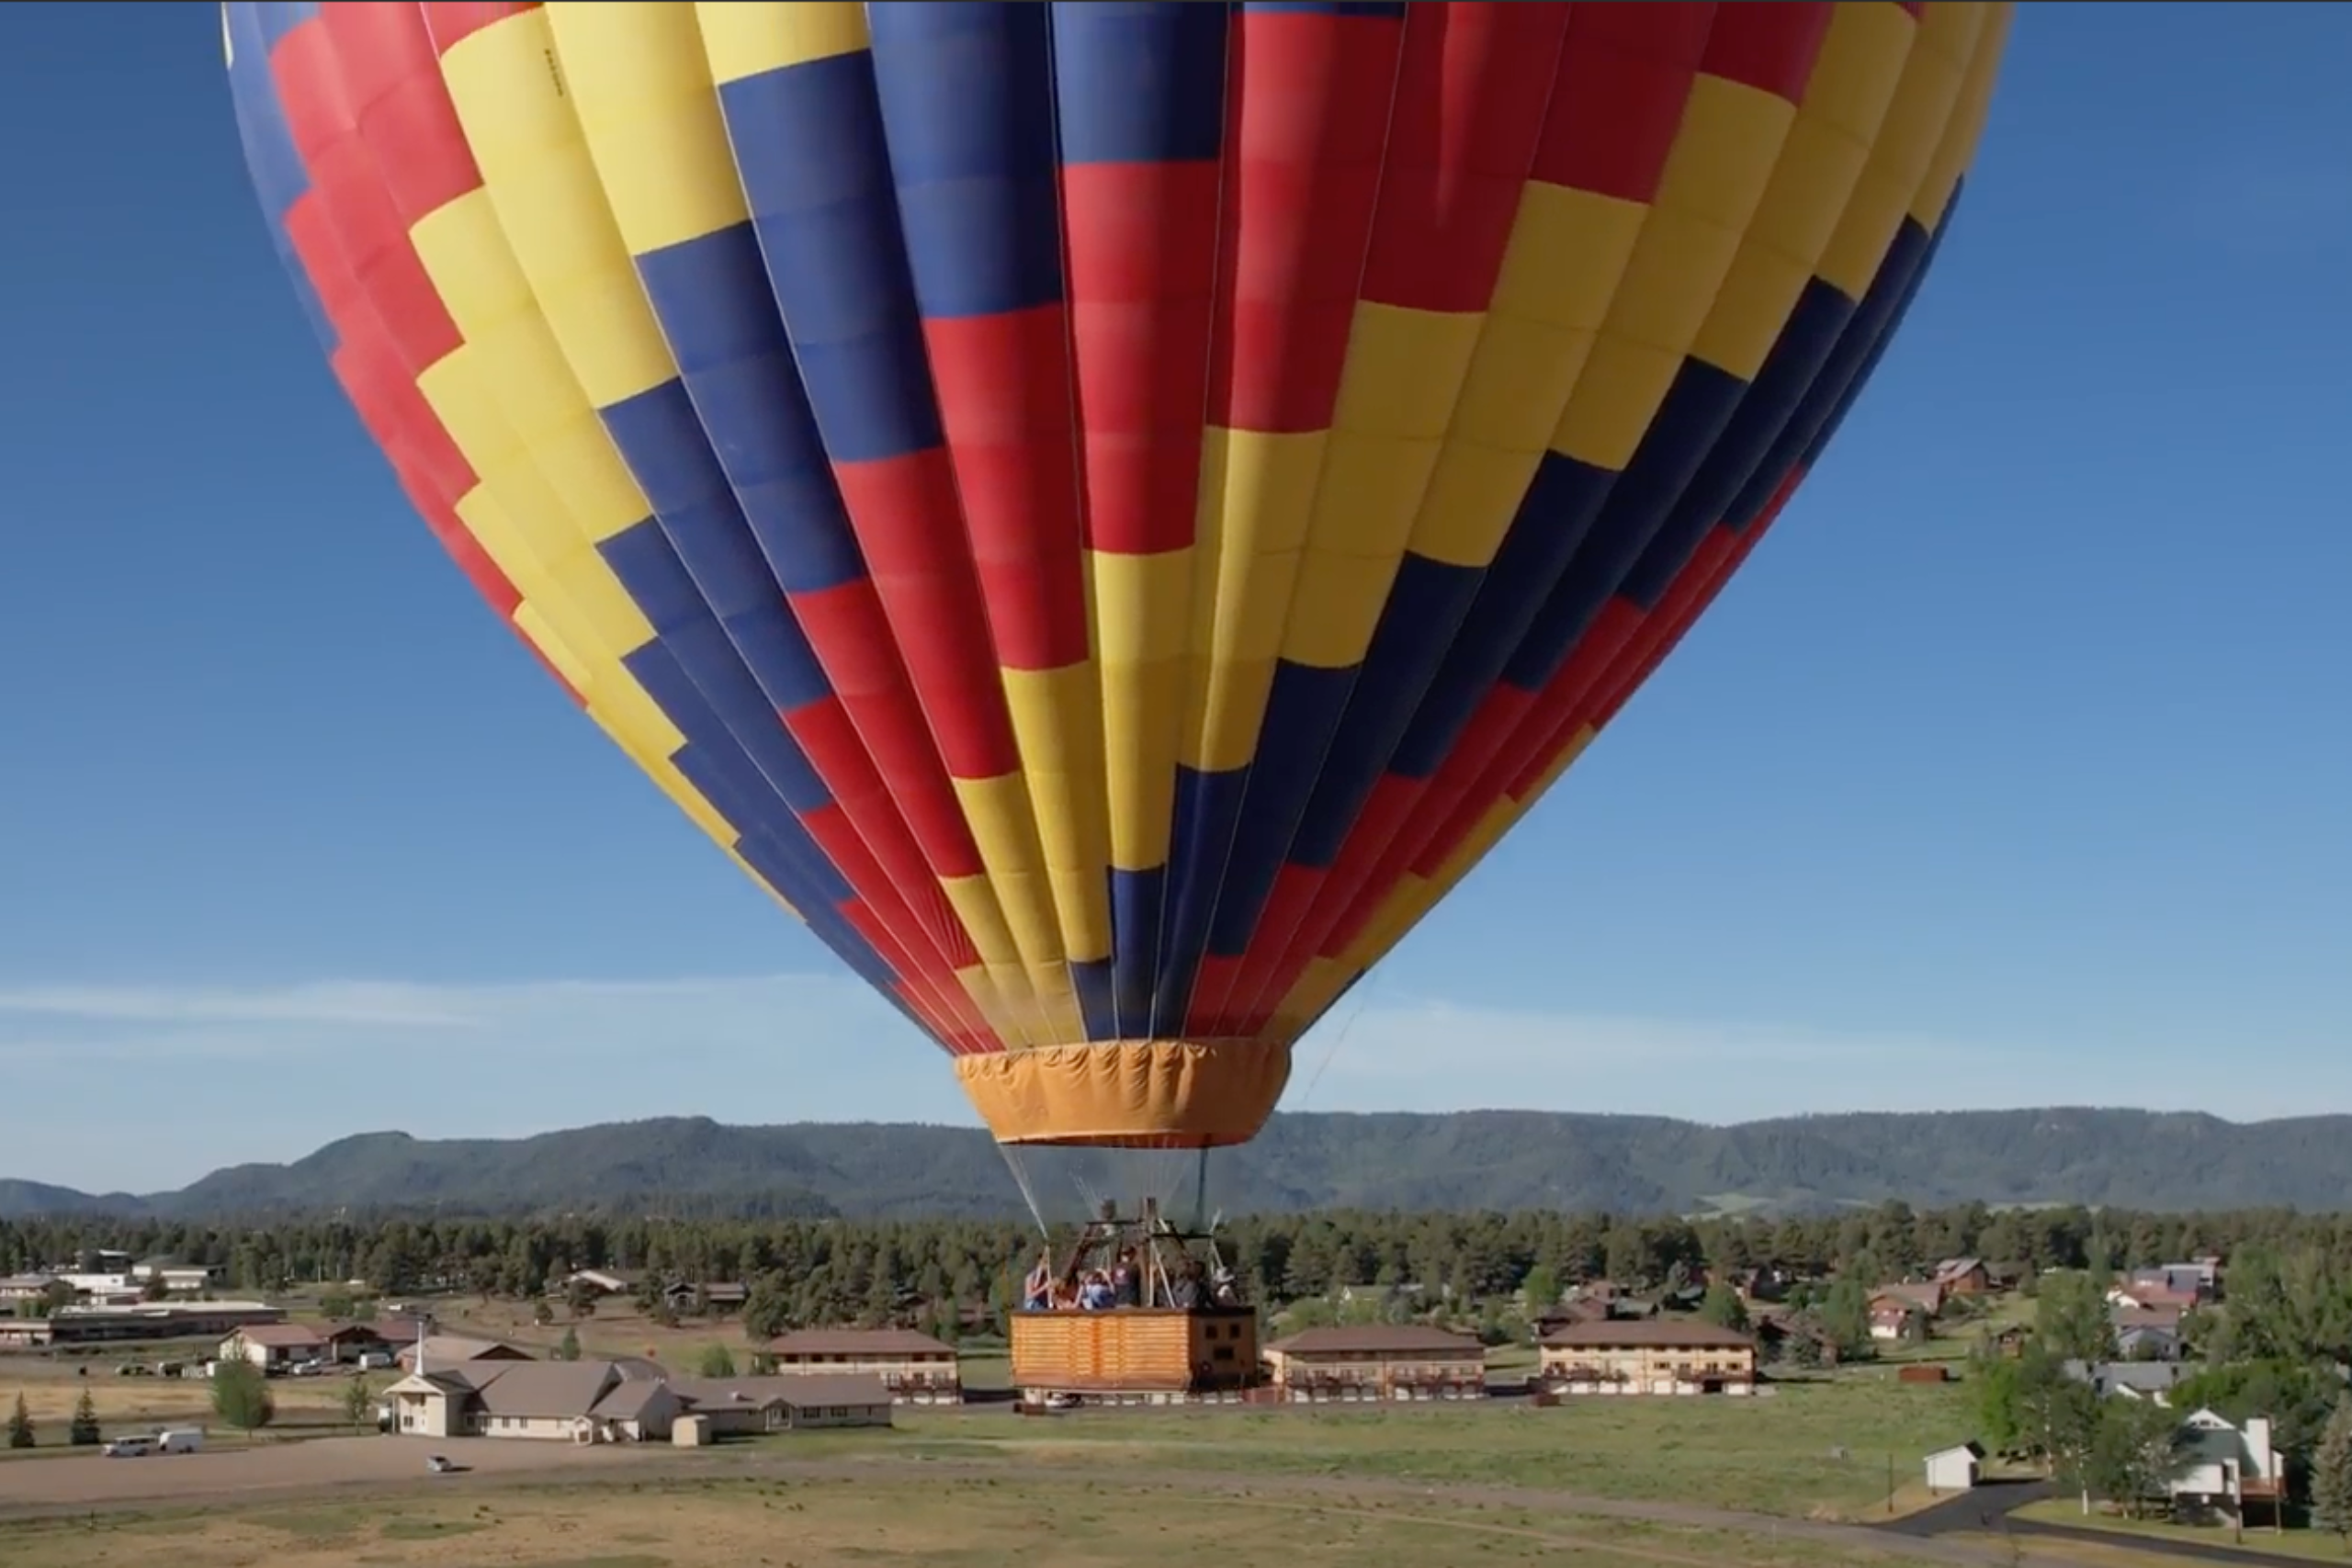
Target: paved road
point(1992, 1508)
point(1982, 1509)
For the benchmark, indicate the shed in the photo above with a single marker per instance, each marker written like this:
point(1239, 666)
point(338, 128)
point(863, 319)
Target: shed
point(1954, 1469)
point(691, 1431)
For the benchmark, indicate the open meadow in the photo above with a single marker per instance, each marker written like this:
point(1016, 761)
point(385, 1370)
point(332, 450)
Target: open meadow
point(1823, 1448)
point(1812, 1450)
point(952, 1524)
point(306, 1406)
point(2127, 1536)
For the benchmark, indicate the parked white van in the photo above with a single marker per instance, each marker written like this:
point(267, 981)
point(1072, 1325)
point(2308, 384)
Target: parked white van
point(128, 1448)
point(179, 1439)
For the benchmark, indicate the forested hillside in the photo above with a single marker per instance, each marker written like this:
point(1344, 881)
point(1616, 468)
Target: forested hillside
point(1487, 1159)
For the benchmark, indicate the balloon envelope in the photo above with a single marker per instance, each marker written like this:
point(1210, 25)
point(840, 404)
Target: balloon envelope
point(1108, 510)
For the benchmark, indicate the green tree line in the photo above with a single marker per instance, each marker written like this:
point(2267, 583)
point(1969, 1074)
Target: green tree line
point(838, 1270)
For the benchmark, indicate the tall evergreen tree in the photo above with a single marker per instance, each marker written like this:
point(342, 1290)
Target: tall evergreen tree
point(21, 1426)
point(83, 1432)
point(2332, 1474)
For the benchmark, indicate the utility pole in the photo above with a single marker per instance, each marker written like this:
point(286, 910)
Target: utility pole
point(1890, 1481)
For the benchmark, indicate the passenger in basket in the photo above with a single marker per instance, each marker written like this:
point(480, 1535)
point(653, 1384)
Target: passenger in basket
point(1127, 1285)
point(1037, 1290)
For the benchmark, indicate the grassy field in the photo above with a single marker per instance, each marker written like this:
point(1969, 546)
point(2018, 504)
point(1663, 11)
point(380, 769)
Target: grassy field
point(1816, 1451)
point(614, 1330)
point(306, 1406)
point(952, 1524)
point(2298, 1545)
point(1957, 1339)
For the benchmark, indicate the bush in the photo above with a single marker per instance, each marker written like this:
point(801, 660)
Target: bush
point(241, 1396)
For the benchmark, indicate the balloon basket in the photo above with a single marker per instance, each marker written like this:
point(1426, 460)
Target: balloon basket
point(1134, 1311)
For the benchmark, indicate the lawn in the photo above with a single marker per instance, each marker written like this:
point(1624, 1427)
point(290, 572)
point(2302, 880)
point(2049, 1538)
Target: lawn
point(616, 1328)
point(306, 1406)
point(2299, 1545)
point(979, 1524)
point(1819, 1449)
point(1956, 1339)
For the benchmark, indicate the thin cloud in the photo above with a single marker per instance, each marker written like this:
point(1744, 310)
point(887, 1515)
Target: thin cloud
point(749, 1020)
point(201, 1077)
point(364, 1004)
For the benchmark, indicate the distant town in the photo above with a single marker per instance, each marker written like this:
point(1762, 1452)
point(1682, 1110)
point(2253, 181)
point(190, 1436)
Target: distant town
point(2206, 1336)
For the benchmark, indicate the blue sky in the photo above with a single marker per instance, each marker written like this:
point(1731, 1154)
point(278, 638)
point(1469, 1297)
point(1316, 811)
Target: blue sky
point(2014, 769)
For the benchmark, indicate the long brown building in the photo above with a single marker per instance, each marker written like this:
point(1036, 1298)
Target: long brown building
point(1378, 1362)
point(1659, 1355)
point(915, 1367)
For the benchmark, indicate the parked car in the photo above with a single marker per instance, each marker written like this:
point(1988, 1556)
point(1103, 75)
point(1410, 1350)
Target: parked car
point(128, 1448)
point(439, 1464)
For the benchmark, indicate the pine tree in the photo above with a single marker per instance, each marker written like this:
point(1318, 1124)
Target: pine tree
point(2332, 1474)
point(358, 1403)
point(568, 1348)
point(84, 1432)
point(21, 1426)
point(1723, 1307)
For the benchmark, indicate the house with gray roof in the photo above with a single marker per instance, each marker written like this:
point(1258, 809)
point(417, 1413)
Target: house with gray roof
point(575, 1402)
point(437, 1351)
point(2226, 1469)
point(793, 1401)
point(623, 1402)
point(2130, 1380)
point(2147, 1342)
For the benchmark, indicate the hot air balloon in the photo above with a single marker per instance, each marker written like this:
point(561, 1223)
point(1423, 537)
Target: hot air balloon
point(1107, 511)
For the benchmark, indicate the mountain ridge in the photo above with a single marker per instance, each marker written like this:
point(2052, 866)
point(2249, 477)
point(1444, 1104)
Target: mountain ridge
point(1470, 1160)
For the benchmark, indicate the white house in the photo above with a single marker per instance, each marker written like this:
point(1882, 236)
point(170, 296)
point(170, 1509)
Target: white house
point(1954, 1469)
point(603, 1282)
point(2224, 1467)
point(179, 1279)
